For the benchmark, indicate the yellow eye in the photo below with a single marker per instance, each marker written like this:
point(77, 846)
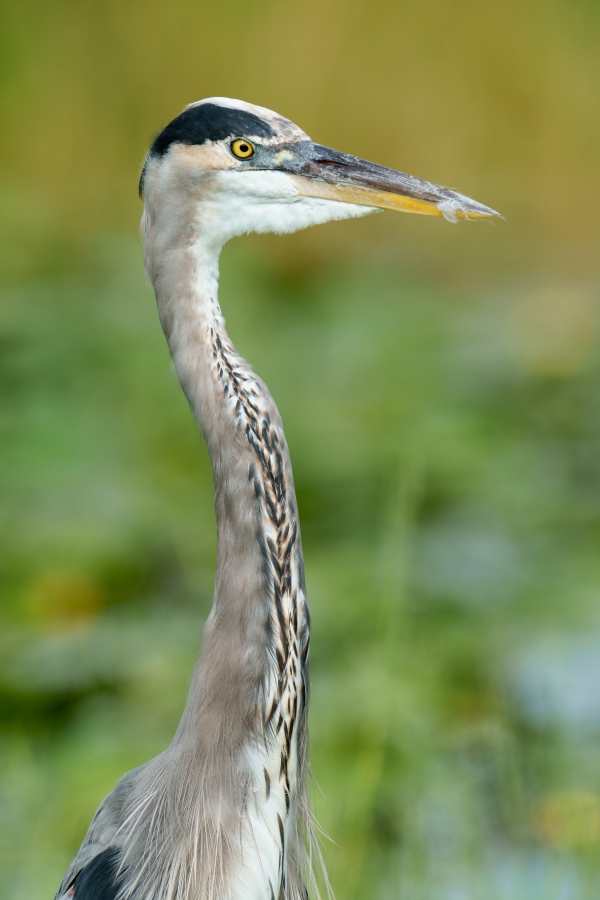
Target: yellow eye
point(241, 148)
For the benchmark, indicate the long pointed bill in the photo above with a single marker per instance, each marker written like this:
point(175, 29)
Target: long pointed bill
point(329, 174)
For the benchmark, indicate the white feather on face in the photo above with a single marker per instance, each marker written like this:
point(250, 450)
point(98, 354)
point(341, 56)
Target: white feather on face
point(240, 202)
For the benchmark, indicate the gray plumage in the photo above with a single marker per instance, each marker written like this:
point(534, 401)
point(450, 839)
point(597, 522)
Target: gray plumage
point(223, 813)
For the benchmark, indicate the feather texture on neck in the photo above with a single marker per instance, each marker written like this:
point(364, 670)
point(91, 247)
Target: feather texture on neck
point(243, 735)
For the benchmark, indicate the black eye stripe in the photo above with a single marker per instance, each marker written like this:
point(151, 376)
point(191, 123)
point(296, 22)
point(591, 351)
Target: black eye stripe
point(209, 122)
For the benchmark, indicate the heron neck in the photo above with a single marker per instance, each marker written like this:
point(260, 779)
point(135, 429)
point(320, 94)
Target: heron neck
point(243, 734)
point(259, 609)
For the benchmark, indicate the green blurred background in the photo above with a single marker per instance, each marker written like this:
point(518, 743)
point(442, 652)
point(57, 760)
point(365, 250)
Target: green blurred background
point(440, 387)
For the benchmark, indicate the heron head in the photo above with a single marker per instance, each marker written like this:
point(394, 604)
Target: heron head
point(245, 168)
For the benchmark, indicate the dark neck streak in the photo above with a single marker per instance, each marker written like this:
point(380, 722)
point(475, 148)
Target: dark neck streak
point(277, 530)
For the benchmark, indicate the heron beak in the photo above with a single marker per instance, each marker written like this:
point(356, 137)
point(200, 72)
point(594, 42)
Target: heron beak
point(318, 171)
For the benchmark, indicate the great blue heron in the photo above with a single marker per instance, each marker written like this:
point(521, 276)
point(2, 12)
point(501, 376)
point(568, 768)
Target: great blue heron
point(223, 813)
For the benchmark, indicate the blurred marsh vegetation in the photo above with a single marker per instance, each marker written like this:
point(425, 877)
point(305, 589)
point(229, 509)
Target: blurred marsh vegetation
point(441, 392)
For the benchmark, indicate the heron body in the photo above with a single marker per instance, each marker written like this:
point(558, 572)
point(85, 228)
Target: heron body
point(223, 813)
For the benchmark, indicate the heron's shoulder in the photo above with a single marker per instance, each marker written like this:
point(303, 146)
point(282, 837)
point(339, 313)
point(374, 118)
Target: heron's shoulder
point(98, 880)
point(98, 855)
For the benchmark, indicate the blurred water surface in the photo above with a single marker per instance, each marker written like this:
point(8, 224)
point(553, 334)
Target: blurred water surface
point(440, 390)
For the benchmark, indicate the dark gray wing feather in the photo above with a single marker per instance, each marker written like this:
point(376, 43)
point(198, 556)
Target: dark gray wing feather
point(99, 879)
point(93, 874)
